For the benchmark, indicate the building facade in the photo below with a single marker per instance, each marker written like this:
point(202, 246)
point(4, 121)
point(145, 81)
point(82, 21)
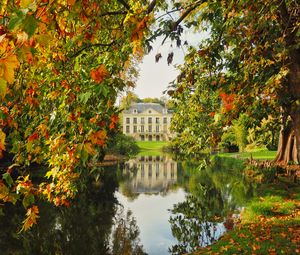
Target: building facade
point(147, 122)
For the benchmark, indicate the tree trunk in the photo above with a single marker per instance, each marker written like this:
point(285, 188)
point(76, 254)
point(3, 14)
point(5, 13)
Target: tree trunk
point(288, 146)
point(289, 140)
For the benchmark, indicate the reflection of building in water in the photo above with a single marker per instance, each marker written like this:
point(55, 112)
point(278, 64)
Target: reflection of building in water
point(152, 174)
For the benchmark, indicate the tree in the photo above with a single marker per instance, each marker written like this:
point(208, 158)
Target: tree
point(62, 64)
point(129, 99)
point(251, 59)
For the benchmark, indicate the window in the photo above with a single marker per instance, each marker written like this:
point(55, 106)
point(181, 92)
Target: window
point(165, 170)
point(165, 120)
point(127, 120)
point(157, 170)
point(150, 129)
point(149, 111)
point(157, 129)
point(157, 120)
point(142, 129)
point(127, 129)
point(134, 129)
point(150, 170)
point(142, 120)
point(149, 120)
point(142, 171)
point(134, 120)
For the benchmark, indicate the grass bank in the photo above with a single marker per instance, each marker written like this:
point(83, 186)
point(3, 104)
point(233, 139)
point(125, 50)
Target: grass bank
point(257, 154)
point(270, 224)
point(151, 148)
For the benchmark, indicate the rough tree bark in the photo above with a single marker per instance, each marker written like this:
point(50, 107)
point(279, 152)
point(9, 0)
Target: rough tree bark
point(289, 140)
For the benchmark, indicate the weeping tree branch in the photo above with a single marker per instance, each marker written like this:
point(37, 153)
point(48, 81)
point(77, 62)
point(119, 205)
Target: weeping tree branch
point(182, 17)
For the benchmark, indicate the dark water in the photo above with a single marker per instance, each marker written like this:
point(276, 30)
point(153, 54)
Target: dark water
point(150, 205)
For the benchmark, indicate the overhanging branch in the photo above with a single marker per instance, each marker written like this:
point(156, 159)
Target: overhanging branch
point(151, 6)
point(182, 17)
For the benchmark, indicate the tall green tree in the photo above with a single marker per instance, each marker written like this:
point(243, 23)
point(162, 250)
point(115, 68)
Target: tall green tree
point(250, 61)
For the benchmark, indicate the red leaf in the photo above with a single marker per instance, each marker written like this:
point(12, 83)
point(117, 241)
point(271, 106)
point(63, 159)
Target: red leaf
point(33, 137)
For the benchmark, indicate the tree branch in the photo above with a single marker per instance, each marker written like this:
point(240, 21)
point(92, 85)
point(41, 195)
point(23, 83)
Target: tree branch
point(124, 4)
point(182, 17)
point(151, 6)
point(112, 13)
point(91, 46)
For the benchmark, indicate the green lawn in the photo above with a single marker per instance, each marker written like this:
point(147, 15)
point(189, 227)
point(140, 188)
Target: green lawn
point(152, 148)
point(260, 154)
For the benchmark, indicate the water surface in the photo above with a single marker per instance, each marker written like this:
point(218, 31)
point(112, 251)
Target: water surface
point(149, 205)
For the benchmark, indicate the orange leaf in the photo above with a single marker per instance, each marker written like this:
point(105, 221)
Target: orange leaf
point(99, 74)
point(99, 137)
point(32, 215)
point(71, 2)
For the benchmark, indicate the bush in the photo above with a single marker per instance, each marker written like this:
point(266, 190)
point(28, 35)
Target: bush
point(228, 142)
point(123, 145)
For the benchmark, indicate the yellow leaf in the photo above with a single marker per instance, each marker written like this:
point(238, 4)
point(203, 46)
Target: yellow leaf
point(10, 63)
point(89, 148)
point(3, 86)
point(2, 137)
point(22, 37)
point(26, 3)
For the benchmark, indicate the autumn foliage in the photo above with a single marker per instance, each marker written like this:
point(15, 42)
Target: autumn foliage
point(62, 64)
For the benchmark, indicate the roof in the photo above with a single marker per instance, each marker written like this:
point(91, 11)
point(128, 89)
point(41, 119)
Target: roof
point(142, 107)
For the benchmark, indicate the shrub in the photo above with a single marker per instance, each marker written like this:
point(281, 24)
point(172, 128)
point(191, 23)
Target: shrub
point(123, 145)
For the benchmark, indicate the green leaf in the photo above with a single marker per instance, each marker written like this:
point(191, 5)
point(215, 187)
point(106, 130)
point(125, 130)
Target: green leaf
point(28, 200)
point(84, 97)
point(8, 179)
point(3, 86)
point(30, 25)
point(16, 20)
point(84, 156)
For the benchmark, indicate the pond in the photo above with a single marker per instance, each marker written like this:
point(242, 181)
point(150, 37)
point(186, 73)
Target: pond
point(149, 205)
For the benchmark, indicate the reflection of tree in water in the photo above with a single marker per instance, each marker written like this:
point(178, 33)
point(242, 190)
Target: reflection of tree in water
point(125, 237)
point(215, 193)
point(84, 228)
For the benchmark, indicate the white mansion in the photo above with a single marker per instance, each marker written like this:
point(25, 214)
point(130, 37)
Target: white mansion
point(147, 122)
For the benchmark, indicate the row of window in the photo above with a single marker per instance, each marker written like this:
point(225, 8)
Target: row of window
point(142, 129)
point(150, 119)
point(157, 172)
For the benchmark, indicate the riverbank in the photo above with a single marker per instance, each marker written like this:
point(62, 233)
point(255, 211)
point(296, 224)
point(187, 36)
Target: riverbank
point(263, 154)
point(270, 224)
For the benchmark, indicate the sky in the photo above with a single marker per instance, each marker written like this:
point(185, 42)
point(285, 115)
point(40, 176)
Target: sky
point(154, 78)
